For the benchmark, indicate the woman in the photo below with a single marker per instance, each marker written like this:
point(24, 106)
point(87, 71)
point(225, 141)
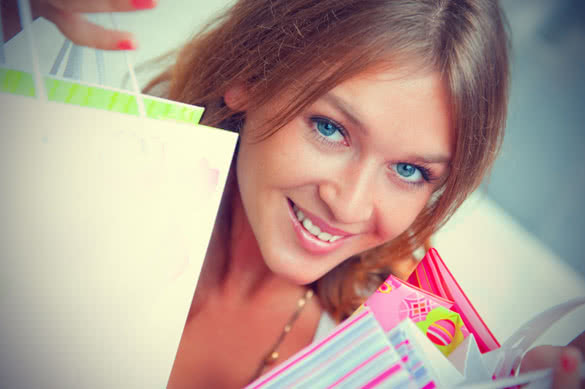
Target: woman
point(364, 125)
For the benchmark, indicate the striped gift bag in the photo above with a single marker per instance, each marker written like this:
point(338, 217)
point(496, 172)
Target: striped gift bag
point(356, 354)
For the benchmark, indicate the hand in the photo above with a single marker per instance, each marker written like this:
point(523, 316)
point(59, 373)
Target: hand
point(565, 362)
point(68, 17)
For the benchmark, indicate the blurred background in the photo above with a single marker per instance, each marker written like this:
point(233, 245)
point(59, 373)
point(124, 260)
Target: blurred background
point(539, 178)
point(522, 232)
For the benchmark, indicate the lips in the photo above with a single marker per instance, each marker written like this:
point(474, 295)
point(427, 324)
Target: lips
point(310, 242)
point(323, 226)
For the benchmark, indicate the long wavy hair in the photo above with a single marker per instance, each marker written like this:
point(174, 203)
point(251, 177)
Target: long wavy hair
point(310, 46)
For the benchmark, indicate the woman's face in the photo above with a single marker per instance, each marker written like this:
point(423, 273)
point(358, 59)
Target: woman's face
point(349, 173)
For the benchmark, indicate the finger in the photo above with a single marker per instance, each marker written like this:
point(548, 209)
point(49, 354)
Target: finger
point(84, 33)
point(541, 357)
point(102, 5)
point(566, 373)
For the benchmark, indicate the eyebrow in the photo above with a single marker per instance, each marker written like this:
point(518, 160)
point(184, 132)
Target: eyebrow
point(430, 159)
point(345, 109)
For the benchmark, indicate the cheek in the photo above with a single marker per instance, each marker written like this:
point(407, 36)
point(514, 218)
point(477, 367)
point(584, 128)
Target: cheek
point(399, 211)
point(283, 159)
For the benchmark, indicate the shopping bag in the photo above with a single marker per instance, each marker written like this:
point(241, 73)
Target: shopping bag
point(433, 276)
point(107, 211)
point(350, 355)
point(396, 300)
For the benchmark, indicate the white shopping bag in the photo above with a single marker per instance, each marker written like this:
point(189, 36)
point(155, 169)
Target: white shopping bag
point(106, 216)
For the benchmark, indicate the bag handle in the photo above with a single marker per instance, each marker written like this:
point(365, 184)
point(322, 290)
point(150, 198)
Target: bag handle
point(26, 22)
point(59, 59)
point(133, 79)
point(74, 66)
point(74, 63)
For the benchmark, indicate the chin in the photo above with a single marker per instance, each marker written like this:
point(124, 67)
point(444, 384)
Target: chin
point(299, 279)
point(293, 269)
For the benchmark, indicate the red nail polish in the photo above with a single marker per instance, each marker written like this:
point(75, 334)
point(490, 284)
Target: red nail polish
point(568, 363)
point(126, 45)
point(143, 4)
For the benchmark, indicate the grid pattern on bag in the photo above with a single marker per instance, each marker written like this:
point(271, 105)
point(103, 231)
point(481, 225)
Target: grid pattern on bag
point(416, 306)
point(21, 83)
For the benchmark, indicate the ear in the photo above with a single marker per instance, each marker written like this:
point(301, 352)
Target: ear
point(236, 97)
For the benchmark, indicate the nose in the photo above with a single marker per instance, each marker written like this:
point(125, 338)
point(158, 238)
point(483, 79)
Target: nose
point(350, 194)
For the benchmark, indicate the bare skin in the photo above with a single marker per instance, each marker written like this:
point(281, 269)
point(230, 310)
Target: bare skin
point(565, 362)
point(67, 16)
point(237, 314)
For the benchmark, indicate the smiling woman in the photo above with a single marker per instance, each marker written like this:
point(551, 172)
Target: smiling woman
point(364, 125)
point(400, 105)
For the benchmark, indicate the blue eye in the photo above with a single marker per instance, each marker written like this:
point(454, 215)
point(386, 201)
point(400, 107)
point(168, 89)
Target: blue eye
point(405, 170)
point(410, 173)
point(328, 130)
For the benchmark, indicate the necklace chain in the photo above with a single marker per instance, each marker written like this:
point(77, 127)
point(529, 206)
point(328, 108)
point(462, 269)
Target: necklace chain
point(272, 356)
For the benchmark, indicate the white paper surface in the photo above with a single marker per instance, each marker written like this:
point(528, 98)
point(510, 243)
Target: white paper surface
point(105, 220)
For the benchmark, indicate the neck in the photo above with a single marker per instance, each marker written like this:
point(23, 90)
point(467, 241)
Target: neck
point(233, 264)
point(245, 269)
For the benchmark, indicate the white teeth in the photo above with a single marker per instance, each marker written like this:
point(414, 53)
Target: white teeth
point(313, 229)
point(300, 216)
point(309, 226)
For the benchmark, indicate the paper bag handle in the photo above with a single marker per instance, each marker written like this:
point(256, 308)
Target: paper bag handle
point(26, 22)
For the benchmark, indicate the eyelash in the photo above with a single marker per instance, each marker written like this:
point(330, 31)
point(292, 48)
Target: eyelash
point(316, 120)
point(426, 173)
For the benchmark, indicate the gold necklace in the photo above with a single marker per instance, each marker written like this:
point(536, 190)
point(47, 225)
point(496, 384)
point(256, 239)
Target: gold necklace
point(272, 356)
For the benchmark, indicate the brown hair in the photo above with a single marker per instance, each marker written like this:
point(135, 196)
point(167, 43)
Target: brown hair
point(310, 46)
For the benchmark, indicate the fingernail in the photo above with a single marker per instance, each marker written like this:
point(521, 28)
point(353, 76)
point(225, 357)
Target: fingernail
point(144, 4)
point(569, 361)
point(126, 44)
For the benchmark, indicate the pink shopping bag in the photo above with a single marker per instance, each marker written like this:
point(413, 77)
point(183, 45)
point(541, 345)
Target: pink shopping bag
point(433, 276)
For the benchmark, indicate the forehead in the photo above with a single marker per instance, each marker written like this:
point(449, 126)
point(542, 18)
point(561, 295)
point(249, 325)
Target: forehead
point(407, 105)
point(382, 88)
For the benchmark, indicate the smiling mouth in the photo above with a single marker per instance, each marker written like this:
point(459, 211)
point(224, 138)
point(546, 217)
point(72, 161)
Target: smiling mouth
point(313, 229)
point(314, 234)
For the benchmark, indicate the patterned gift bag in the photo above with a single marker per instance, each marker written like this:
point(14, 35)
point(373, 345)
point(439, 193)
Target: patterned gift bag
point(433, 276)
